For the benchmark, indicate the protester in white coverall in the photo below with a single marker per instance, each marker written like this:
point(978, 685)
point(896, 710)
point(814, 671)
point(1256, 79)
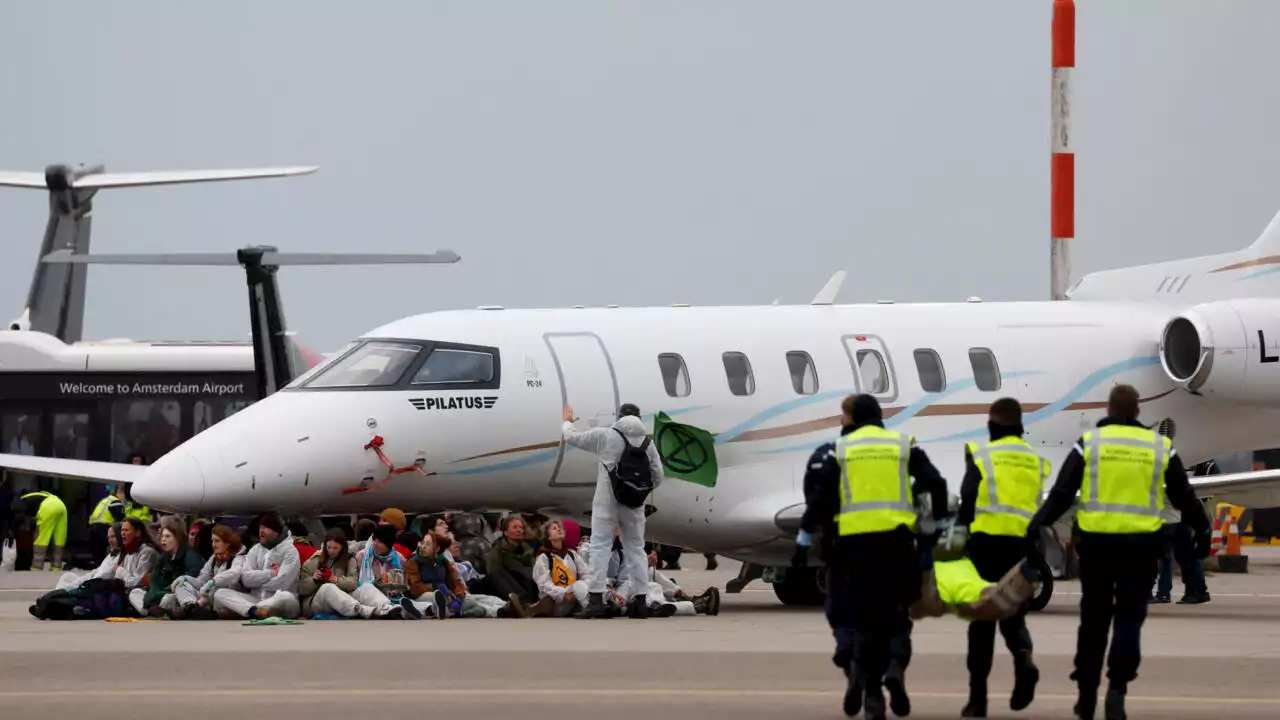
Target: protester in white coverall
point(269, 576)
point(560, 572)
point(606, 512)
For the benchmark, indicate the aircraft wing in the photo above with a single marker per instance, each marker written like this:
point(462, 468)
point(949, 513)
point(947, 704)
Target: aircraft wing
point(1259, 488)
point(98, 472)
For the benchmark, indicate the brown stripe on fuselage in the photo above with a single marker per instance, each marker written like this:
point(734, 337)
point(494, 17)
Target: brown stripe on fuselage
point(834, 421)
point(510, 451)
point(1256, 262)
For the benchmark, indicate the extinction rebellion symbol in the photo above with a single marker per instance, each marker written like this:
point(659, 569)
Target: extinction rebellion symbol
point(681, 450)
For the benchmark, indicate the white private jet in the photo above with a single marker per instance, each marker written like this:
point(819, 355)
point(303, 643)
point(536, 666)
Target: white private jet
point(462, 409)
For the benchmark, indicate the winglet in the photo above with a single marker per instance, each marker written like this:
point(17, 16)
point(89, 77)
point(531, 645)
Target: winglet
point(827, 295)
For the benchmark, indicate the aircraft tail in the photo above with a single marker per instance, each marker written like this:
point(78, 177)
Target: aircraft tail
point(278, 359)
point(55, 301)
point(1249, 272)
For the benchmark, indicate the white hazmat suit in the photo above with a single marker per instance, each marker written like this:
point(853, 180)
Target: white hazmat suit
point(606, 512)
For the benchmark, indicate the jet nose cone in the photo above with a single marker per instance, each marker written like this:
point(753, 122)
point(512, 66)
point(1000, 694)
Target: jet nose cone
point(175, 483)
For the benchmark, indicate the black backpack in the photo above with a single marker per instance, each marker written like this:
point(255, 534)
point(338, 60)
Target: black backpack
point(632, 478)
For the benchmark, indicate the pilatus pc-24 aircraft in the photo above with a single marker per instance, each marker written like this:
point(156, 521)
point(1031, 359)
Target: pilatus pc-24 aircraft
point(462, 409)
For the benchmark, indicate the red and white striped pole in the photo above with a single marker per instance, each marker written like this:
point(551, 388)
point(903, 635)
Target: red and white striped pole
point(1063, 169)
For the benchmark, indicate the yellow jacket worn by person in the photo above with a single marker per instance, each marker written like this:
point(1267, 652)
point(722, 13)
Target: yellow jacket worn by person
point(1122, 471)
point(1001, 490)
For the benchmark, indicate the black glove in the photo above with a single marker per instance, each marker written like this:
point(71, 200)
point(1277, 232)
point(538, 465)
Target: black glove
point(800, 558)
point(1203, 544)
point(1035, 541)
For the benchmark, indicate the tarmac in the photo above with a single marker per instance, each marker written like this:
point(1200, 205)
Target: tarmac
point(757, 659)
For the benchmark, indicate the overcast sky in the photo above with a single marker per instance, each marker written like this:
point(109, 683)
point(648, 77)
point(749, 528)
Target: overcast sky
point(641, 152)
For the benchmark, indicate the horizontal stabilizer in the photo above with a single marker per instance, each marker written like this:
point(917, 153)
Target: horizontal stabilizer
point(98, 472)
point(41, 181)
point(268, 258)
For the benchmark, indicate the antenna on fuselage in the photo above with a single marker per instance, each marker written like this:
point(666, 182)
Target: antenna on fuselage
point(56, 298)
point(827, 295)
point(276, 359)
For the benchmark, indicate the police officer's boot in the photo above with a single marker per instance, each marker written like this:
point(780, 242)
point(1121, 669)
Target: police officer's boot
point(853, 692)
point(38, 555)
point(1114, 707)
point(977, 705)
point(595, 607)
point(895, 682)
point(57, 557)
point(874, 703)
point(1086, 703)
point(1025, 677)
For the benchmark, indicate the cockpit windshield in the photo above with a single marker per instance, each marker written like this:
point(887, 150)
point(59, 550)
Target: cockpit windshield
point(373, 364)
point(446, 365)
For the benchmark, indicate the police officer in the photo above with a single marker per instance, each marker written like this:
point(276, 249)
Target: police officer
point(999, 495)
point(109, 510)
point(1118, 469)
point(858, 490)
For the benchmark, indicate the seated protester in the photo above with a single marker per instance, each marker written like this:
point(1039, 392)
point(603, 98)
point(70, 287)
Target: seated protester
point(510, 566)
point(381, 580)
point(663, 597)
point(395, 517)
point(105, 570)
point(466, 571)
point(200, 537)
point(433, 580)
point(533, 523)
point(561, 573)
point(269, 576)
point(139, 557)
point(572, 533)
point(177, 561)
point(221, 570)
point(329, 578)
point(302, 541)
point(409, 539)
point(364, 531)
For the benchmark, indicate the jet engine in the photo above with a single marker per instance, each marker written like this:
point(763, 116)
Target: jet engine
point(1228, 350)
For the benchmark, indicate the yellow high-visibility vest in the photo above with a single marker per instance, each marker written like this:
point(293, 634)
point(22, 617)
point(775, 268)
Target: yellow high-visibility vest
point(102, 511)
point(959, 582)
point(1013, 476)
point(1123, 487)
point(875, 487)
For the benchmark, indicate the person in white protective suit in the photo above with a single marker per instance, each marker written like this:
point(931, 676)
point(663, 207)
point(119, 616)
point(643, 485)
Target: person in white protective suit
point(663, 597)
point(607, 514)
point(560, 572)
point(106, 570)
point(269, 576)
point(193, 596)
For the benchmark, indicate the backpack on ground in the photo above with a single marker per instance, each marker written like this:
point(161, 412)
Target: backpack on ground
point(631, 477)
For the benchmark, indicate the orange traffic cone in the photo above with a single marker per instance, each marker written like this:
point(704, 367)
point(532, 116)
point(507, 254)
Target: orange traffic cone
point(1233, 560)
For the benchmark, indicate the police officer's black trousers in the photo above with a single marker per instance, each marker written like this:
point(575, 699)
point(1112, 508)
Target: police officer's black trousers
point(993, 556)
point(837, 609)
point(884, 579)
point(1115, 585)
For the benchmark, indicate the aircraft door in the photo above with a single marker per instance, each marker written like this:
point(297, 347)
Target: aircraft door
point(589, 385)
point(872, 366)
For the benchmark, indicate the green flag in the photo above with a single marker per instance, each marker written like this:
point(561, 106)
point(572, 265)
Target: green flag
point(687, 452)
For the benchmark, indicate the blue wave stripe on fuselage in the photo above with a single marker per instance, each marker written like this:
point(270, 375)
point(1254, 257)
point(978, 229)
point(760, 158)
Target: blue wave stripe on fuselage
point(545, 455)
point(1259, 273)
point(1091, 381)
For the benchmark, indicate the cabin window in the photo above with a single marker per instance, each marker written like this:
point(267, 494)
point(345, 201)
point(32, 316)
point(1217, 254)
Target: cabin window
point(675, 376)
point(872, 371)
point(737, 368)
point(455, 366)
point(929, 366)
point(804, 376)
point(986, 372)
point(373, 364)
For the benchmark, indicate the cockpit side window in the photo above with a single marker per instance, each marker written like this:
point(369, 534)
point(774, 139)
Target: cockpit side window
point(447, 365)
point(321, 366)
point(374, 364)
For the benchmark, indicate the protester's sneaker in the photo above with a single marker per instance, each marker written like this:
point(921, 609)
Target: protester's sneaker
point(409, 609)
point(439, 605)
point(665, 610)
